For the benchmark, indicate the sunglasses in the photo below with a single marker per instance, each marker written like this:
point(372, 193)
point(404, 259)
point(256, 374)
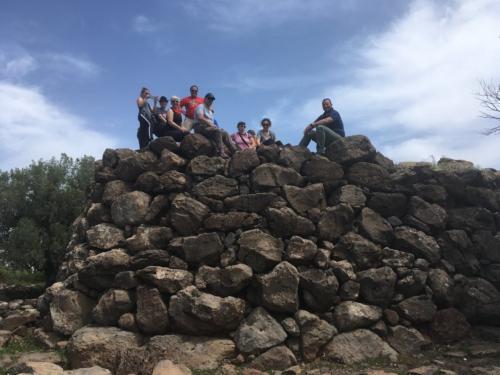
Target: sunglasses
point(266, 124)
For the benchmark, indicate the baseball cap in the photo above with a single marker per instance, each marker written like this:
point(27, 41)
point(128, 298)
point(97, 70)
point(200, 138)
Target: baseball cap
point(210, 96)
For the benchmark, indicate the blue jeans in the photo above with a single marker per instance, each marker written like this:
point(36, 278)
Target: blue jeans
point(322, 135)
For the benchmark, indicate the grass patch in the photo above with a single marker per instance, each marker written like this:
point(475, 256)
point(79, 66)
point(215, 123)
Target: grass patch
point(22, 345)
point(20, 277)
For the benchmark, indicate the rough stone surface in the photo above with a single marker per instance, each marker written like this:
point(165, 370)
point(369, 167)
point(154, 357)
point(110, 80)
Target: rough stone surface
point(259, 250)
point(417, 243)
point(152, 313)
point(70, 310)
point(278, 290)
point(315, 333)
point(130, 208)
point(350, 315)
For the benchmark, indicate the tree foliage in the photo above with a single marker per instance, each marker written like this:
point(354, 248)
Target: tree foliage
point(37, 206)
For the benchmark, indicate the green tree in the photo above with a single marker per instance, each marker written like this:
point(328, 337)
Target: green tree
point(37, 206)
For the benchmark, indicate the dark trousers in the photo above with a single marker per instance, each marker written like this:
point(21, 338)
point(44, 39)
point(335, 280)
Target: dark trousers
point(143, 133)
point(219, 137)
point(174, 133)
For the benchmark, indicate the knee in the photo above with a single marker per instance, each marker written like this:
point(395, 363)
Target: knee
point(320, 128)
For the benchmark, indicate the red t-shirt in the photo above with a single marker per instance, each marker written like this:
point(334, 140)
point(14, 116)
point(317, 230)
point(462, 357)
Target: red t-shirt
point(190, 104)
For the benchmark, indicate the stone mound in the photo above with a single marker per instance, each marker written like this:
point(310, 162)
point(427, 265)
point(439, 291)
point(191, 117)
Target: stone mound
point(274, 256)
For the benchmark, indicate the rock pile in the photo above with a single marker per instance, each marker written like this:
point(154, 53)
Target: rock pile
point(274, 256)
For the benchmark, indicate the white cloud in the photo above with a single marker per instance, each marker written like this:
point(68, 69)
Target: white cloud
point(243, 15)
point(142, 24)
point(66, 64)
point(412, 88)
point(32, 127)
point(16, 67)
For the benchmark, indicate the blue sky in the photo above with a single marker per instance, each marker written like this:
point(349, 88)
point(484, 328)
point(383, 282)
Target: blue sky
point(403, 72)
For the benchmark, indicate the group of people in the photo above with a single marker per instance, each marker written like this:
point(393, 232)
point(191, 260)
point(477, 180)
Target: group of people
point(197, 114)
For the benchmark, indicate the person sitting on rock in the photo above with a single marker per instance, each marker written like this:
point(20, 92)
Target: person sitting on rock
point(204, 124)
point(189, 103)
point(145, 117)
point(241, 138)
point(265, 135)
point(252, 133)
point(325, 129)
point(173, 119)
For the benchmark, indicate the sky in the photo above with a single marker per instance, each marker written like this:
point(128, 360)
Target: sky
point(405, 73)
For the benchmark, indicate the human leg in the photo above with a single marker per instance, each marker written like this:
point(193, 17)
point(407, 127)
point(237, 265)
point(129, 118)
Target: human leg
point(143, 133)
point(308, 136)
point(188, 123)
point(326, 136)
point(226, 139)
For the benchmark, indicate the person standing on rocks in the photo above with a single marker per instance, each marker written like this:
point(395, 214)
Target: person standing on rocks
point(145, 117)
point(241, 138)
point(325, 129)
point(204, 124)
point(189, 103)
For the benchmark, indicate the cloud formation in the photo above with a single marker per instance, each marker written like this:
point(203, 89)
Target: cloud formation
point(33, 127)
point(412, 87)
point(142, 24)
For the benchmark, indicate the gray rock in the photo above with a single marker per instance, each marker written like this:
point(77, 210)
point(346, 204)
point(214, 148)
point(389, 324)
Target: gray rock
point(432, 215)
point(272, 175)
point(111, 305)
point(113, 190)
point(230, 221)
point(350, 150)
point(406, 340)
point(259, 250)
point(170, 161)
point(377, 285)
point(412, 283)
point(225, 281)
point(217, 187)
point(479, 301)
point(319, 288)
point(395, 258)
point(300, 251)
point(197, 313)
point(388, 204)
point(173, 181)
point(278, 290)
point(375, 227)
point(130, 208)
point(204, 248)
point(349, 291)
point(284, 222)
point(100, 269)
point(250, 202)
point(315, 333)
point(305, 199)
point(358, 346)
point(167, 280)
point(349, 194)
point(360, 251)
point(187, 214)
point(149, 237)
point(449, 325)
point(350, 315)
point(105, 236)
point(206, 166)
point(320, 169)
point(243, 162)
point(442, 286)
point(417, 309)
point(369, 175)
point(335, 221)
point(457, 249)
point(277, 358)
point(294, 157)
point(148, 258)
point(417, 243)
point(471, 219)
point(195, 145)
point(152, 313)
point(258, 332)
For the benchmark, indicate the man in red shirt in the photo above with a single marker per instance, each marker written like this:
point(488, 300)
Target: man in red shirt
point(189, 103)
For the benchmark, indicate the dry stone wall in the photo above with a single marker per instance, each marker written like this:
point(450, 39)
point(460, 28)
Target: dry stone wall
point(274, 256)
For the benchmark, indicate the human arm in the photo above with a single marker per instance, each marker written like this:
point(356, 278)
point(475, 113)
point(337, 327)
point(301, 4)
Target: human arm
point(200, 114)
point(170, 121)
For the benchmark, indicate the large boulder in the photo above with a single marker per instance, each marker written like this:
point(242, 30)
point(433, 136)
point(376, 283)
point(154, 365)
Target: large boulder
point(335, 221)
point(204, 248)
point(358, 346)
point(100, 269)
point(187, 214)
point(105, 236)
point(148, 258)
point(432, 215)
point(320, 169)
point(250, 202)
point(100, 346)
point(417, 243)
point(417, 309)
point(130, 208)
point(300, 251)
point(258, 332)
point(260, 250)
point(449, 325)
point(272, 175)
point(406, 340)
point(318, 288)
point(167, 280)
point(225, 281)
point(284, 222)
point(149, 237)
point(388, 204)
point(479, 301)
point(277, 358)
point(375, 227)
point(111, 306)
point(152, 313)
point(278, 290)
point(294, 156)
point(315, 333)
point(351, 195)
point(113, 190)
point(471, 219)
point(365, 254)
point(369, 175)
point(350, 150)
point(243, 162)
point(457, 249)
point(377, 285)
point(217, 187)
point(162, 144)
point(442, 286)
point(197, 313)
point(350, 315)
point(197, 353)
point(304, 199)
point(194, 145)
point(206, 166)
point(70, 310)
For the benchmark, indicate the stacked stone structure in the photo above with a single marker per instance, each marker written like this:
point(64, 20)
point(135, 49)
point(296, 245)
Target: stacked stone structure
point(275, 256)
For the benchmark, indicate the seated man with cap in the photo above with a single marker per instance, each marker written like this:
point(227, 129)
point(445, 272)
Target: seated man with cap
point(204, 124)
